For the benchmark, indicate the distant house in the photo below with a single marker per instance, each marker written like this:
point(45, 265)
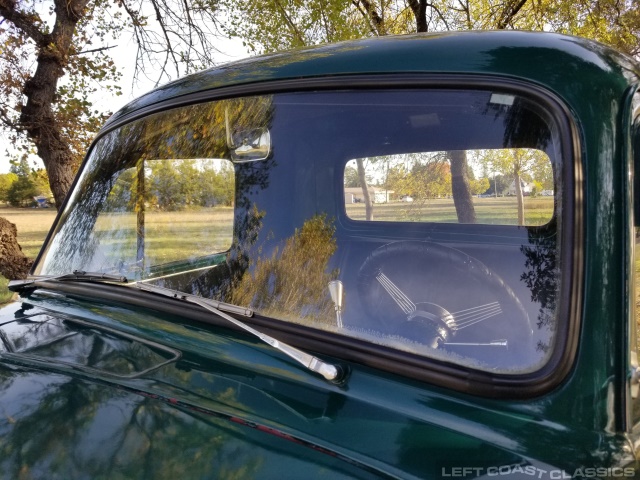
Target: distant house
point(377, 194)
point(527, 188)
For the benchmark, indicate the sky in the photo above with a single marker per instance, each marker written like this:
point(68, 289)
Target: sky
point(124, 54)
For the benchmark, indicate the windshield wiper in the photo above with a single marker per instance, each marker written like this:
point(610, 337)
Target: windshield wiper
point(330, 372)
point(168, 292)
point(333, 373)
point(77, 275)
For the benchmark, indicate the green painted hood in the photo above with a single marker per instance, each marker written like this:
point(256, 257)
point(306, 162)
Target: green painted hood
point(93, 406)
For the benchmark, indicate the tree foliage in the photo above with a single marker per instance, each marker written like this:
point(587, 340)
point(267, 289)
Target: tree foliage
point(519, 164)
point(284, 24)
point(6, 180)
point(55, 56)
point(294, 23)
point(421, 180)
point(22, 184)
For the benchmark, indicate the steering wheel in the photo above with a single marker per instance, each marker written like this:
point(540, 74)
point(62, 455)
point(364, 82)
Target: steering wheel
point(443, 298)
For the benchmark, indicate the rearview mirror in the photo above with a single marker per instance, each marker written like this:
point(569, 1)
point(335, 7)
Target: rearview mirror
point(248, 145)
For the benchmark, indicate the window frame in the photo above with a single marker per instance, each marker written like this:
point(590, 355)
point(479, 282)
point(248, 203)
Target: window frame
point(423, 369)
point(631, 397)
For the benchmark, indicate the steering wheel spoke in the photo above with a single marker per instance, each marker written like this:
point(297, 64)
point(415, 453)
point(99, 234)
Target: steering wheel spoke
point(442, 297)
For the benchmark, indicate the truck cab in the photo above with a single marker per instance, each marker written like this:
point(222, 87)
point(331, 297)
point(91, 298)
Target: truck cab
point(402, 257)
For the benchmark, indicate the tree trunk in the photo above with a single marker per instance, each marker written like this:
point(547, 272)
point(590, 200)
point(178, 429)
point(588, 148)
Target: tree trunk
point(519, 196)
point(61, 175)
point(460, 187)
point(419, 9)
point(377, 22)
point(13, 263)
point(37, 117)
point(368, 203)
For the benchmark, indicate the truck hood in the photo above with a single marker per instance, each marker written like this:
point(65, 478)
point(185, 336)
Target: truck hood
point(89, 389)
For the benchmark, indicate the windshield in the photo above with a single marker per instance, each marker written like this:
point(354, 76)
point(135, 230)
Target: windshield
point(421, 220)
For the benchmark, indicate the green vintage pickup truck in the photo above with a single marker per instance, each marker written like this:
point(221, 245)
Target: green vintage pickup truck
point(404, 257)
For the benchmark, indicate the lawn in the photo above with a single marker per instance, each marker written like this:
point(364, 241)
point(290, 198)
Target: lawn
point(169, 236)
point(490, 210)
point(204, 231)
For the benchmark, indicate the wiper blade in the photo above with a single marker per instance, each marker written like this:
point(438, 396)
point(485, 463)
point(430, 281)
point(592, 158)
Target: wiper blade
point(333, 373)
point(77, 275)
point(168, 292)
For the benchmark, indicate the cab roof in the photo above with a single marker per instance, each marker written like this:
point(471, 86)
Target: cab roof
point(572, 67)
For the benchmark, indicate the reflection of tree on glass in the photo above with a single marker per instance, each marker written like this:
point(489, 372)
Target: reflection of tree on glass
point(292, 283)
point(166, 162)
point(541, 277)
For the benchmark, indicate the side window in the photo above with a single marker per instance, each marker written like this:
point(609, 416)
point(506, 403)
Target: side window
point(507, 186)
point(158, 201)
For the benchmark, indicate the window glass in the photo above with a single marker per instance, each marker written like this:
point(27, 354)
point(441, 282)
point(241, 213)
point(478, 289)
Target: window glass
point(159, 201)
point(159, 216)
point(510, 186)
point(155, 198)
point(259, 201)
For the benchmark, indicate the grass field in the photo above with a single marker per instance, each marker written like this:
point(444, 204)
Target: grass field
point(33, 225)
point(206, 231)
point(490, 210)
point(169, 236)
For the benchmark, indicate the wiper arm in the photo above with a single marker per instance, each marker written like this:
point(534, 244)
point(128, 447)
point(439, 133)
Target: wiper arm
point(77, 275)
point(333, 373)
point(168, 292)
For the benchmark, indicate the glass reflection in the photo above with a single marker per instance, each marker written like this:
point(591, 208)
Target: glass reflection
point(437, 210)
point(79, 345)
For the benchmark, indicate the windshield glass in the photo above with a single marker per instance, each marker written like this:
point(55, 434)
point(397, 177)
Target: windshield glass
point(422, 220)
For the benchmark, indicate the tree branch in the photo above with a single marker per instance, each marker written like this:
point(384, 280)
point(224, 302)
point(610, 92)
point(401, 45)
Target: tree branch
point(170, 51)
point(356, 3)
point(510, 11)
point(291, 24)
point(101, 49)
point(441, 15)
point(376, 19)
point(25, 22)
